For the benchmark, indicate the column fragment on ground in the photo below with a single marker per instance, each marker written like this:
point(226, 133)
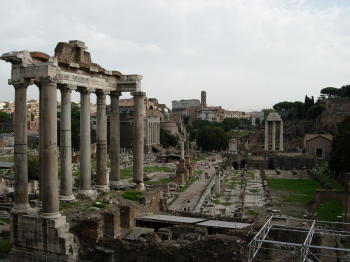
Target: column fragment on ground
point(21, 159)
point(101, 137)
point(49, 166)
point(115, 139)
point(85, 144)
point(66, 190)
point(138, 139)
point(266, 135)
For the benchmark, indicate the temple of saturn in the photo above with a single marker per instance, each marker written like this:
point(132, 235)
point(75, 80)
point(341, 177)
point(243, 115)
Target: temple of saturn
point(273, 117)
point(70, 69)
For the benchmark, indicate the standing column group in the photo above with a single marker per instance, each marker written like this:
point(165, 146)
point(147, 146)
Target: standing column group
point(266, 147)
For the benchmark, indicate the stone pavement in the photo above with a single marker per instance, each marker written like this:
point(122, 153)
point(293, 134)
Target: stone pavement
point(190, 196)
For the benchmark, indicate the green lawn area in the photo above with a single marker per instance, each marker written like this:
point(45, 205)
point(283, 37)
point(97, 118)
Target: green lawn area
point(329, 210)
point(301, 191)
point(132, 195)
point(161, 181)
point(127, 172)
point(330, 182)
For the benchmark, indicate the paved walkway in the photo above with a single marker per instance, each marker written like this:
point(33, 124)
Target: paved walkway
point(190, 196)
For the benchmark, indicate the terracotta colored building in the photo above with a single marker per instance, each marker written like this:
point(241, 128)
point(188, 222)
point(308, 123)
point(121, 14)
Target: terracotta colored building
point(318, 145)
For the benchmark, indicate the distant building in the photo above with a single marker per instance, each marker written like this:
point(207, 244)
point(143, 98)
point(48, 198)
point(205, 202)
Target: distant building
point(318, 145)
point(182, 106)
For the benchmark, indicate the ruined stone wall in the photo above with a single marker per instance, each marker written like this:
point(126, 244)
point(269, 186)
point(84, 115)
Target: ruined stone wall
point(289, 163)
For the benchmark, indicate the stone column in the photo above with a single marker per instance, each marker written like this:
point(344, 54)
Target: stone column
point(182, 149)
point(49, 181)
point(101, 147)
point(21, 159)
point(115, 139)
point(273, 135)
point(66, 192)
point(138, 141)
point(85, 143)
point(266, 135)
point(281, 135)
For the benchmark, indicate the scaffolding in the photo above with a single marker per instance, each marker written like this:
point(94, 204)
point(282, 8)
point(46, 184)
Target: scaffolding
point(305, 251)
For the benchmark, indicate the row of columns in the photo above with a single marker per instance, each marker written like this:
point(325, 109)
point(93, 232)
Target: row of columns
point(273, 135)
point(153, 134)
point(48, 145)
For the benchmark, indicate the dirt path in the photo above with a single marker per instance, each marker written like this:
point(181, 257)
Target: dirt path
point(189, 197)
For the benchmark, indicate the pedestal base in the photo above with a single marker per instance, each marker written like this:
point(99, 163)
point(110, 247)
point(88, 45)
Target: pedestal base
point(88, 192)
point(21, 209)
point(50, 215)
point(103, 188)
point(66, 198)
point(140, 186)
point(40, 239)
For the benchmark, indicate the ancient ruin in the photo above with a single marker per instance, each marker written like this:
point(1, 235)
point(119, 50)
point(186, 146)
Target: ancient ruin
point(70, 69)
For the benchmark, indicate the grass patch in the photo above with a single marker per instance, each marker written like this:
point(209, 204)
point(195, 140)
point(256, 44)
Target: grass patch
point(329, 210)
point(132, 195)
point(128, 172)
point(5, 246)
point(161, 181)
point(251, 213)
point(150, 169)
point(98, 204)
point(5, 220)
point(301, 191)
point(330, 182)
point(253, 190)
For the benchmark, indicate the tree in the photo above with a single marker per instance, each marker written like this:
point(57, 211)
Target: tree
point(345, 91)
point(4, 116)
point(212, 138)
point(330, 91)
point(167, 139)
point(340, 155)
point(33, 167)
point(314, 111)
point(230, 123)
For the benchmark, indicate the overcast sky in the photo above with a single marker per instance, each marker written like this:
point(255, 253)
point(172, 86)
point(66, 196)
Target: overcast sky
point(247, 54)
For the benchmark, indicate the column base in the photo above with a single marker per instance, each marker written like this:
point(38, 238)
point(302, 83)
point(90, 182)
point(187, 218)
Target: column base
point(115, 183)
point(140, 186)
point(103, 188)
point(86, 192)
point(21, 209)
point(50, 215)
point(66, 198)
